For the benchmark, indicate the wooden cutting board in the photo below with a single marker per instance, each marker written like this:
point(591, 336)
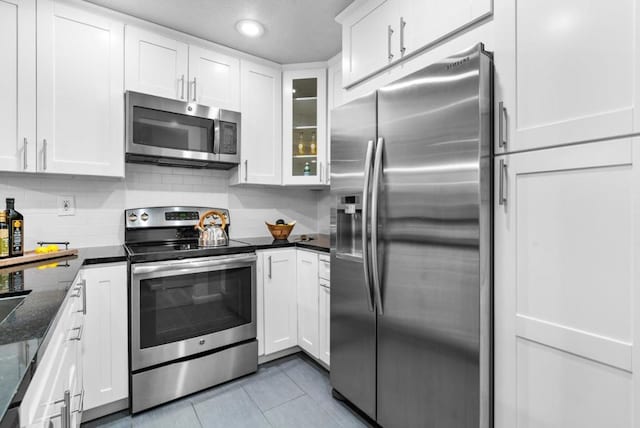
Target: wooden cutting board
point(31, 257)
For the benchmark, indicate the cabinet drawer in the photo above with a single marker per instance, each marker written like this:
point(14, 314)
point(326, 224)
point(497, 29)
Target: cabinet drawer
point(324, 268)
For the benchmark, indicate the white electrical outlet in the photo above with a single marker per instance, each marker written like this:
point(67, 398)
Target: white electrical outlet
point(66, 205)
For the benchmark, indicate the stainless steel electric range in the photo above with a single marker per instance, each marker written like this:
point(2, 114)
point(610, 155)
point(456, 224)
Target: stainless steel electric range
point(192, 318)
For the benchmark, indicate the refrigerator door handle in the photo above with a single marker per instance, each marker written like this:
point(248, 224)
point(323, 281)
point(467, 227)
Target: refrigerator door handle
point(365, 219)
point(375, 193)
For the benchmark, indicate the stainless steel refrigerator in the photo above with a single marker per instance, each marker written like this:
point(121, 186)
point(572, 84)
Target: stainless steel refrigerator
point(411, 247)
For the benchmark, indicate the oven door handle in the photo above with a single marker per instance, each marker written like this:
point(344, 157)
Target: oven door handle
point(170, 265)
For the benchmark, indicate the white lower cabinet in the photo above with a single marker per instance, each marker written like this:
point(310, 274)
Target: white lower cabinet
point(324, 321)
point(307, 285)
point(104, 353)
point(56, 390)
point(566, 306)
point(86, 356)
point(280, 314)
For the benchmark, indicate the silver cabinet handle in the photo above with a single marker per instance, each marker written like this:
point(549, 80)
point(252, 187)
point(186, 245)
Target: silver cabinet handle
point(502, 187)
point(375, 196)
point(83, 284)
point(78, 336)
point(246, 170)
point(182, 85)
point(194, 89)
point(270, 267)
point(365, 218)
point(403, 48)
point(44, 154)
point(320, 171)
point(503, 121)
point(24, 154)
point(65, 410)
point(389, 34)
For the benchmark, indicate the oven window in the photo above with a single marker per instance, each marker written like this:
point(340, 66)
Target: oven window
point(172, 131)
point(182, 307)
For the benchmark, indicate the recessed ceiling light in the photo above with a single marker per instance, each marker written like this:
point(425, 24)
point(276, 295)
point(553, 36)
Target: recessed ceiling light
point(250, 28)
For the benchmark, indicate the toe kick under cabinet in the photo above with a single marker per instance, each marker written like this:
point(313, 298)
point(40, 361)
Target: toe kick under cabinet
point(293, 303)
point(84, 366)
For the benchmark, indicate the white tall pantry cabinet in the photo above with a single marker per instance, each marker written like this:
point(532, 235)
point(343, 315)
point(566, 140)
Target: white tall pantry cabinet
point(18, 85)
point(566, 215)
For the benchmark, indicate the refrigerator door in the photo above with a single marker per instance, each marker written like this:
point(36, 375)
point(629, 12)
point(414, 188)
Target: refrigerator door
point(434, 246)
point(353, 322)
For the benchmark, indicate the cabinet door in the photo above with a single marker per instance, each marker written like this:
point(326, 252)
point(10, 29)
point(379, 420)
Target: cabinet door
point(18, 85)
point(335, 98)
point(214, 79)
point(307, 284)
point(424, 22)
point(106, 339)
point(304, 124)
point(280, 301)
point(565, 273)
point(155, 64)
point(261, 129)
point(570, 70)
point(80, 100)
point(325, 321)
point(59, 370)
point(369, 39)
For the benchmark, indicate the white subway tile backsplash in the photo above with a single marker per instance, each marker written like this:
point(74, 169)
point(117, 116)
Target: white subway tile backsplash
point(100, 202)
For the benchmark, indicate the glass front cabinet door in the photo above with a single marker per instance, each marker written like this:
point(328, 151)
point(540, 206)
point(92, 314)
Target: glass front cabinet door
point(305, 127)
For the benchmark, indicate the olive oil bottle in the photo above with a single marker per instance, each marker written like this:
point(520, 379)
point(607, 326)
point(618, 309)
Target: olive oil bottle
point(16, 229)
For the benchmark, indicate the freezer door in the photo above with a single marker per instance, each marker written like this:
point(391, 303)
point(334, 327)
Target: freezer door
point(353, 322)
point(435, 268)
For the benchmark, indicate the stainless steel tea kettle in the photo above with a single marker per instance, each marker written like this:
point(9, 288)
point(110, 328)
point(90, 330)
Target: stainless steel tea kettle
point(212, 234)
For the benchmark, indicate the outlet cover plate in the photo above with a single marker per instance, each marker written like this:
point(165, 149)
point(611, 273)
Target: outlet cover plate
point(66, 205)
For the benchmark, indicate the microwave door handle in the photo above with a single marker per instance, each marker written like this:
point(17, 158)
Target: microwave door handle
point(216, 137)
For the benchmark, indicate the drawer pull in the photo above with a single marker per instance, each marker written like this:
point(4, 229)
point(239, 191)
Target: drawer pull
point(79, 335)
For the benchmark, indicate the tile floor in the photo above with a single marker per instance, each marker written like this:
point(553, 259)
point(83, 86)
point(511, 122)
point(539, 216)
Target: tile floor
point(290, 392)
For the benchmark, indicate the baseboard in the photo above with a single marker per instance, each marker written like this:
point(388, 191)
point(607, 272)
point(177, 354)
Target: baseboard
point(104, 410)
point(262, 359)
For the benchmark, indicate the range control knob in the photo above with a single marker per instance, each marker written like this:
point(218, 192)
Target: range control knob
point(144, 217)
point(133, 217)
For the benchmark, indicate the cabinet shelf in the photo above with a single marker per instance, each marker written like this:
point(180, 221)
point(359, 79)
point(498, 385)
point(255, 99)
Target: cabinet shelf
point(305, 156)
point(305, 127)
point(305, 99)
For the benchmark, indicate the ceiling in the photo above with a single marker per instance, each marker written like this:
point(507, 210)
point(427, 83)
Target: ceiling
point(295, 30)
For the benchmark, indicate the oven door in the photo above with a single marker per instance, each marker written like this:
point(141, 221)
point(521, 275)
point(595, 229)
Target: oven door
point(184, 307)
point(165, 128)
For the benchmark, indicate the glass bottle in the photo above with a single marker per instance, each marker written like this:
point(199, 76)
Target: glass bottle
point(4, 235)
point(300, 143)
point(307, 169)
point(16, 229)
point(313, 143)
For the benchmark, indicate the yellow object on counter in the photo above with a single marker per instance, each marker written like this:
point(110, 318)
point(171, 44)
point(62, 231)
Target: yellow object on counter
point(47, 249)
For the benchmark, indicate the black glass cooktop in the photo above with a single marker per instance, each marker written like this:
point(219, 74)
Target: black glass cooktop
point(141, 252)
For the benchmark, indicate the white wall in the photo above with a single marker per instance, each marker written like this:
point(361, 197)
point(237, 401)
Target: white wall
point(100, 202)
point(324, 205)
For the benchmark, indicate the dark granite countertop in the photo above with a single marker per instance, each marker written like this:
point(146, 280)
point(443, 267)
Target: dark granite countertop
point(23, 329)
point(320, 242)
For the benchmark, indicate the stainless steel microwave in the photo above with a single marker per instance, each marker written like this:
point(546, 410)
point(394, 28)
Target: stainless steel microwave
point(177, 133)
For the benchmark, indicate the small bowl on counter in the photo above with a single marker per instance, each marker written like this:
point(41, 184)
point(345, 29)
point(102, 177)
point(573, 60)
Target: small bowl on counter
point(280, 232)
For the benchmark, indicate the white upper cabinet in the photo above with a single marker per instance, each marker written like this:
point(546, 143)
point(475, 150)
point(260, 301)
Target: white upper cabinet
point(376, 33)
point(261, 129)
point(214, 79)
point(162, 66)
point(307, 283)
point(18, 85)
point(156, 65)
point(568, 72)
point(80, 102)
point(304, 126)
